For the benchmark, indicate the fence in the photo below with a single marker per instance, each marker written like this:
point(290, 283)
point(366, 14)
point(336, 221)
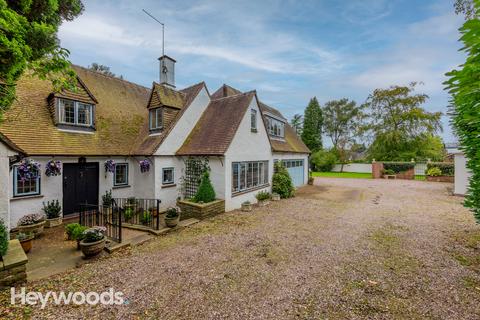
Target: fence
point(108, 217)
point(420, 167)
point(142, 212)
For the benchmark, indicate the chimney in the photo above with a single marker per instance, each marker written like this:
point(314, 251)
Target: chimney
point(167, 71)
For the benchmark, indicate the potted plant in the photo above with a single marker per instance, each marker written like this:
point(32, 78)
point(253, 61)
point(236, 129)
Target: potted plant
point(53, 168)
point(107, 199)
point(263, 198)
point(26, 240)
point(275, 197)
point(128, 213)
point(172, 217)
point(310, 180)
point(246, 206)
point(52, 210)
point(146, 217)
point(75, 232)
point(32, 223)
point(93, 241)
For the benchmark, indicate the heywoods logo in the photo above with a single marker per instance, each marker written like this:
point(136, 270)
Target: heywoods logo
point(109, 297)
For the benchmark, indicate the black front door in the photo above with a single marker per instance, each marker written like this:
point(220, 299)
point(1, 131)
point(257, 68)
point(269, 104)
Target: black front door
point(80, 185)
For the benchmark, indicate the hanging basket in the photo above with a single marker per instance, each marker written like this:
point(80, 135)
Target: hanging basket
point(144, 165)
point(28, 169)
point(109, 166)
point(53, 168)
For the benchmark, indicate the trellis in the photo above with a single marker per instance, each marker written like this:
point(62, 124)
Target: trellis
point(194, 169)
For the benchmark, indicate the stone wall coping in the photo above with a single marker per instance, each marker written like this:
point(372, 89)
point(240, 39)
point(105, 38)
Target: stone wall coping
point(14, 257)
point(200, 205)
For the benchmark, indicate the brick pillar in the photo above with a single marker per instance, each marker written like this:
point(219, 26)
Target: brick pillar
point(377, 168)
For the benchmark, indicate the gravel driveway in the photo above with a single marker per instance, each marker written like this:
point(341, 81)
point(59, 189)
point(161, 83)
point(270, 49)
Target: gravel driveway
point(344, 248)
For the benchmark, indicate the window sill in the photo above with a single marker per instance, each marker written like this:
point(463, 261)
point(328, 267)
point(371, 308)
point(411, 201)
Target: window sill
point(254, 130)
point(33, 196)
point(239, 193)
point(121, 186)
point(169, 185)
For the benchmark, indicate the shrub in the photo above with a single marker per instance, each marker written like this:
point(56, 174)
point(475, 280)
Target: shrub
point(263, 195)
point(205, 192)
point(52, 209)
point(172, 213)
point(388, 171)
point(107, 198)
point(282, 182)
point(75, 231)
point(24, 236)
point(69, 229)
point(398, 167)
point(434, 172)
point(31, 219)
point(323, 160)
point(3, 238)
point(448, 169)
point(94, 234)
point(146, 217)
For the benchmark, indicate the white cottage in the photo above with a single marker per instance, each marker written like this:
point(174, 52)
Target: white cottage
point(108, 118)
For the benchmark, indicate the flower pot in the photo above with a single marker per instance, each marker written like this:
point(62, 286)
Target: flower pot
point(172, 222)
point(27, 244)
point(36, 229)
point(246, 207)
point(310, 181)
point(275, 197)
point(263, 203)
point(90, 249)
point(55, 222)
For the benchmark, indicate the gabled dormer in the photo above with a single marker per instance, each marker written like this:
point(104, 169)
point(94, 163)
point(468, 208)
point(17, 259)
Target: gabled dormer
point(163, 105)
point(73, 110)
point(274, 122)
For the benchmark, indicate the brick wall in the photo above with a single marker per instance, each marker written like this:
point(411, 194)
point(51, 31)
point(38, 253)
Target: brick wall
point(450, 179)
point(377, 168)
point(200, 210)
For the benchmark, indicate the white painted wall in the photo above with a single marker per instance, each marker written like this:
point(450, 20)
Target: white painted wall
point(247, 146)
point(293, 156)
point(51, 188)
point(168, 194)
point(184, 125)
point(354, 167)
point(462, 174)
point(5, 191)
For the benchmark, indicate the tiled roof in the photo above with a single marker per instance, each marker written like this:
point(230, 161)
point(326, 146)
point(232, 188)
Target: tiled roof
point(165, 96)
point(121, 118)
point(226, 113)
point(10, 144)
point(292, 142)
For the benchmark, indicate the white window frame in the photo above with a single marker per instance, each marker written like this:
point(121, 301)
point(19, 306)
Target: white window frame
point(163, 176)
point(76, 104)
point(115, 183)
point(276, 128)
point(253, 120)
point(155, 113)
point(25, 194)
point(262, 175)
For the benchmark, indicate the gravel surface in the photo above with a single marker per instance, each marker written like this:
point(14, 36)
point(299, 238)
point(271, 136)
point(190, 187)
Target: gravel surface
point(344, 248)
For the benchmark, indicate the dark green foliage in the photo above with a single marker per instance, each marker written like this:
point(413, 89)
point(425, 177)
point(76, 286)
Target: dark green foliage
point(282, 182)
point(172, 213)
point(52, 209)
point(75, 231)
point(465, 7)
point(398, 167)
point(28, 39)
point(323, 160)
point(205, 192)
point(262, 195)
point(463, 86)
point(388, 171)
point(448, 169)
point(3, 238)
point(312, 126)
point(146, 217)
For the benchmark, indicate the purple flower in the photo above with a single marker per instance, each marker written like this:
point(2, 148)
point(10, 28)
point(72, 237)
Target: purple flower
point(28, 169)
point(53, 168)
point(144, 165)
point(109, 166)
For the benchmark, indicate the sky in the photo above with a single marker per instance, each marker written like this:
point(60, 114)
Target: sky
point(289, 51)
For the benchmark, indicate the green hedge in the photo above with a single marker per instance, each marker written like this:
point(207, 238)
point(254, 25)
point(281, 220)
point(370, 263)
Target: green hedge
point(398, 167)
point(448, 169)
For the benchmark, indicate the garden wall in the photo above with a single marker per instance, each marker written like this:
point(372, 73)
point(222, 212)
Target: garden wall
point(200, 210)
point(377, 168)
point(13, 267)
point(354, 167)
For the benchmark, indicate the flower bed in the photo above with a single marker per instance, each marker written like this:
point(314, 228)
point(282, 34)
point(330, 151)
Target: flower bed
point(200, 211)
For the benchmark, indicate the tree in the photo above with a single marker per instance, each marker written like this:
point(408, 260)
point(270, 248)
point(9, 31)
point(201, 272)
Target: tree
point(205, 192)
point(341, 123)
point(312, 125)
point(399, 123)
point(465, 7)
point(323, 160)
point(463, 85)
point(100, 68)
point(28, 40)
point(296, 123)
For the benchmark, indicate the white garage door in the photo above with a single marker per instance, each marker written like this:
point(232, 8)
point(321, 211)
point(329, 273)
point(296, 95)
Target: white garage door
point(296, 171)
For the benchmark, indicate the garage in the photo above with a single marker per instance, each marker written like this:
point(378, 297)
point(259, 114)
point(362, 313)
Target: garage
point(296, 171)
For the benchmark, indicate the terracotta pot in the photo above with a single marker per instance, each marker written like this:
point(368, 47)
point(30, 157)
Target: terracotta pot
point(55, 222)
point(246, 207)
point(27, 244)
point(36, 229)
point(172, 222)
point(90, 249)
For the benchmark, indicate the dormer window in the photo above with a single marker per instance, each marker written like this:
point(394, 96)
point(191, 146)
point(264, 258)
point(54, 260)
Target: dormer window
point(156, 119)
point(75, 113)
point(276, 128)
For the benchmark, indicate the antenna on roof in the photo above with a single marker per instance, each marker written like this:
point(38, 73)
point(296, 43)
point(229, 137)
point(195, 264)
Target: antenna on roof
point(163, 29)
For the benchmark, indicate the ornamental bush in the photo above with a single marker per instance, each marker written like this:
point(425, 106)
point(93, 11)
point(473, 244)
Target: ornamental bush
point(3, 238)
point(434, 172)
point(448, 169)
point(282, 182)
point(262, 195)
point(398, 167)
point(323, 160)
point(205, 192)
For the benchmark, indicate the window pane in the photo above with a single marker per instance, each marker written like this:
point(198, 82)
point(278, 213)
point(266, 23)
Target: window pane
point(167, 176)
point(84, 114)
point(243, 174)
point(255, 174)
point(26, 187)
point(67, 111)
point(235, 185)
point(159, 118)
point(265, 172)
point(121, 174)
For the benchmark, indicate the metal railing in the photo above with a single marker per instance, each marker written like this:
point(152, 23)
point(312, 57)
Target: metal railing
point(141, 212)
point(94, 215)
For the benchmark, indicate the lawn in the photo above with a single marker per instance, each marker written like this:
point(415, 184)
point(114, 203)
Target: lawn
point(354, 175)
